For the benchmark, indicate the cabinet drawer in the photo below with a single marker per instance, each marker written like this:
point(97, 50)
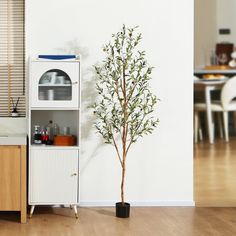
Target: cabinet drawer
point(53, 176)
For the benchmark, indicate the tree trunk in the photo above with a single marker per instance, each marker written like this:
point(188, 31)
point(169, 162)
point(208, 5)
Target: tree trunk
point(122, 184)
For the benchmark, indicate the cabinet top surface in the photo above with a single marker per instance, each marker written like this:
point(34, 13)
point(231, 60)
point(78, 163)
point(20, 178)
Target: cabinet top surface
point(13, 139)
point(55, 58)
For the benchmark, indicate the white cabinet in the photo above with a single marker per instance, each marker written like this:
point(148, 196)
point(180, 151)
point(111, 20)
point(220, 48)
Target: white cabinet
point(54, 84)
point(54, 98)
point(53, 176)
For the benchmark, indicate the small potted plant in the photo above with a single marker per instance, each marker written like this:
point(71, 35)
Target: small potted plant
point(125, 103)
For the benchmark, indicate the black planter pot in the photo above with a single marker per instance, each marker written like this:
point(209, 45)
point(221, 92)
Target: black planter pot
point(122, 211)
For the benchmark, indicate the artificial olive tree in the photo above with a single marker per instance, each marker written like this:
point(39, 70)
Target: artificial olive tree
point(125, 103)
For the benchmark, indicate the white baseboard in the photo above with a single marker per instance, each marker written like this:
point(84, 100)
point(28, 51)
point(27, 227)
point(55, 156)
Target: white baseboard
point(139, 203)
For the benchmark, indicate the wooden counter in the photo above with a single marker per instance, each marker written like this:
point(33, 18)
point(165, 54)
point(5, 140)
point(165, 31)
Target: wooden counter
point(13, 179)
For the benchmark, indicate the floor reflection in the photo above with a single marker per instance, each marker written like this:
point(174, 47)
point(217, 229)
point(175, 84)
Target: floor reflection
point(215, 173)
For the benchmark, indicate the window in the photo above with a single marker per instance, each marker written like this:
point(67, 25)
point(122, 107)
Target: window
point(12, 64)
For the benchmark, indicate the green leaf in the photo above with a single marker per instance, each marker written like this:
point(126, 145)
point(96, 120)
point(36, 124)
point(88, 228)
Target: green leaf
point(124, 98)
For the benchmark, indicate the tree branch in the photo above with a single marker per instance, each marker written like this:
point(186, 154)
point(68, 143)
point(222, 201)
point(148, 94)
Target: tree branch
point(117, 150)
point(129, 146)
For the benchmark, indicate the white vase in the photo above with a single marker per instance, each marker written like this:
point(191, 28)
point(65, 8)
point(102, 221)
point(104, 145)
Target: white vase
point(53, 77)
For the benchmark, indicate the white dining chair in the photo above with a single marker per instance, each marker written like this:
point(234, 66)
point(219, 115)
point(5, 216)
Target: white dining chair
point(224, 106)
point(198, 134)
point(197, 123)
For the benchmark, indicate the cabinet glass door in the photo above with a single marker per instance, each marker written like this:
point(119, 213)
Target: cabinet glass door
point(54, 84)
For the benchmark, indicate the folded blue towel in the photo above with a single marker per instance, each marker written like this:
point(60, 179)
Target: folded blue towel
point(57, 57)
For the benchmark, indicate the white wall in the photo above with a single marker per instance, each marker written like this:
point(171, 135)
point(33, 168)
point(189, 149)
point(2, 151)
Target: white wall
point(205, 30)
point(226, 18)
point(160, 167)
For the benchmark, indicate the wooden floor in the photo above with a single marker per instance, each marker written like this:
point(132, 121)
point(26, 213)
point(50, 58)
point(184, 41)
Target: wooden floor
point(215, 185)
point(215, 173)
point(149, 221)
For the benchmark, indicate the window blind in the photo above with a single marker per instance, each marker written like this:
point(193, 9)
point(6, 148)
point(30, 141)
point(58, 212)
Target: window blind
point(12, 64)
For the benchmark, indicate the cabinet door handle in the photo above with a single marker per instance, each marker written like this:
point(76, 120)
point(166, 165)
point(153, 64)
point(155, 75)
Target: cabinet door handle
point(76, 82)
point(74, 174)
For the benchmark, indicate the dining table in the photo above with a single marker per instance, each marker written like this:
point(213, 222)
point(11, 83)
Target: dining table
point(201, 83)
point(224, 70)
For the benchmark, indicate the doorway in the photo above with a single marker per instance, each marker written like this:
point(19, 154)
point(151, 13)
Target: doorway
point(214, 164)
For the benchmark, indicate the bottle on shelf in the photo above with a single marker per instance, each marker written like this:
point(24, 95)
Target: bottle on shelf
point(49, 129)
point(37, 137)
point(44, 135)
point(55, 129)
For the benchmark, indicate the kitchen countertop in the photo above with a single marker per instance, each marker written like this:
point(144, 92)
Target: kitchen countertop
point(13, 139)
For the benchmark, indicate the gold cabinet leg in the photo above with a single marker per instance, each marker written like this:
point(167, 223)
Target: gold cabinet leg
point(76, 212)
point(31, 211)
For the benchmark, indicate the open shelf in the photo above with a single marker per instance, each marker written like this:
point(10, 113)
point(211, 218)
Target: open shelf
point(66, 118)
